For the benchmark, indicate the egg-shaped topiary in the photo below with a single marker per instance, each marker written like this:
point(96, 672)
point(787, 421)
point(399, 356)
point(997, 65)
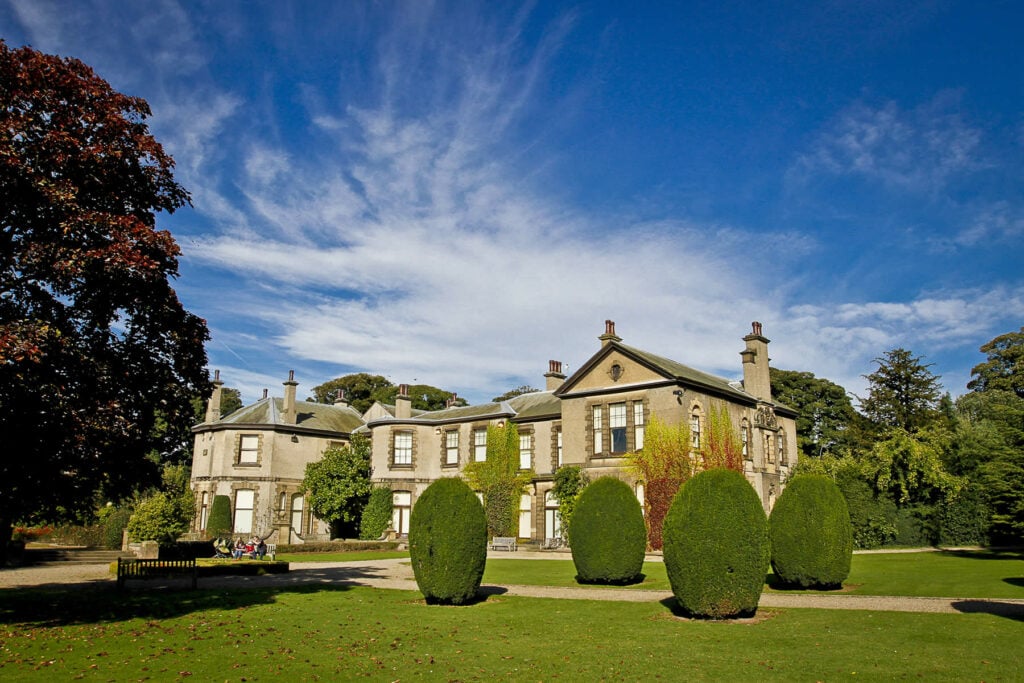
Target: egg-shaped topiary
point(608, 534)
point(716, 546)
point(218, 524)
point(448, 542)
point(811, 534)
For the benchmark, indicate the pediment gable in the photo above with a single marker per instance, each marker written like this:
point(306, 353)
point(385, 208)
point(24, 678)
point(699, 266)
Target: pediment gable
point(613, 366)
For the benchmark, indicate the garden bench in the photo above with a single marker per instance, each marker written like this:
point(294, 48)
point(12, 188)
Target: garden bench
point(504, 543)
point(154, 569)
point(271, 551)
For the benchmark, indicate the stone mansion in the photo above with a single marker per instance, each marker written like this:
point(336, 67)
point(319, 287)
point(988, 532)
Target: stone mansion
point(593, 418)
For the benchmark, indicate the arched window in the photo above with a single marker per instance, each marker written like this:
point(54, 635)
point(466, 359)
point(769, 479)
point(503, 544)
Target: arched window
point(695, 425)
point(745, 439)
point(401, 506)
point(297, 505)
point(552, 520)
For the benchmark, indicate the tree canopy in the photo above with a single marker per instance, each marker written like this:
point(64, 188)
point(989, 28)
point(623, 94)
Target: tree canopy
point(338, 485)
point(95, 346)
point(825, 413)
point(903, 392)
point(1004, 368)
point(362, 389)
point(518, 391)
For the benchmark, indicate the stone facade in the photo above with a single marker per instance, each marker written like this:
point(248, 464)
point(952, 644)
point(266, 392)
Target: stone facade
point(591, 419)
point(258, 454)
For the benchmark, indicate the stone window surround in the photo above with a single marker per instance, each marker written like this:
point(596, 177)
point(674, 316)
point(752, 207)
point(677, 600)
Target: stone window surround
point(527, 430)
point(237, 449)
point(474, 428)
point(556, 430)
point(606, 428)
point(445, 431)
point(391, 449)
point(248, 486)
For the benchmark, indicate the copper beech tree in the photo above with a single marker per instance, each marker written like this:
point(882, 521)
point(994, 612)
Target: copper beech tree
point(99, 359)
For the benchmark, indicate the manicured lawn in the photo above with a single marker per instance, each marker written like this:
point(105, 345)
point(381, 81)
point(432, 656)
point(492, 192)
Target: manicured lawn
point(954, 574)
point(951, 574)
point(343, 557)
point(321, 633)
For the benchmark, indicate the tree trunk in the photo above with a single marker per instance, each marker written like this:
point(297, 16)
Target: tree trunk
point(6, 531)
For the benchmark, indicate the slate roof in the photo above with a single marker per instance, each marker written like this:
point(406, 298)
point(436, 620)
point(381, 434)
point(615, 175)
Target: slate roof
point(537, 405)
point(318, 416)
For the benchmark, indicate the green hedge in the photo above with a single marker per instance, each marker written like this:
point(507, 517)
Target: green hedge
point(608, 534)
point(811, 534)
point(716, 546)
point(218, 524)
point(448, 542)
point(337, 546)
point(376, 518)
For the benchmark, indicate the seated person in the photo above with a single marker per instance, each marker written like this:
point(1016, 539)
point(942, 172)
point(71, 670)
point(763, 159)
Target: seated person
point(239, 549)
point(261, 549)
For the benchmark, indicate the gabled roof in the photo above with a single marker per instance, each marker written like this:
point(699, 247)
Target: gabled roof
point(269, 412)
point(523, 408)
point(672, 371)
point(536, 405)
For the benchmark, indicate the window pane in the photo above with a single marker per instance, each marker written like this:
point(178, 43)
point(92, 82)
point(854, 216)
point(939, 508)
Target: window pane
point(243, 510)
point(248, 448)
point(598, 435)
point(480, 445)
point(617, 415)
point(525, 451)
point(451, 448)
point(403, 448)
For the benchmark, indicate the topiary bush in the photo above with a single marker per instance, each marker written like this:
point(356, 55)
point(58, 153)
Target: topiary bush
point(716, 546)
point(218, 524)
point(376, 517)
point(448, 542)
point(811, 534)
point(608, 534)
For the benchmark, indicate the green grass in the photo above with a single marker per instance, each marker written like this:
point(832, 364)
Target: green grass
point(953, 574)
point(318, 633)
point(950, 573)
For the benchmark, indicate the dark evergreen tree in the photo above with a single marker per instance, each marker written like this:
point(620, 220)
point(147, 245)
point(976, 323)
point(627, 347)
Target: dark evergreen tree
point(826, 420)
point(903, 392)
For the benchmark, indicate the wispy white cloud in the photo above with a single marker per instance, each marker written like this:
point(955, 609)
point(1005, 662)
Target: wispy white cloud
point(922, 149)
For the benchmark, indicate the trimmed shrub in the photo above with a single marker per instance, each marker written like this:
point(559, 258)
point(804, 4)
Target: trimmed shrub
point(716, 546)
point(448, 542)
point(114, 523)
point(376, 516)
point(337, 546)
point(218, 524)
point(811, 534)
point(608, 534)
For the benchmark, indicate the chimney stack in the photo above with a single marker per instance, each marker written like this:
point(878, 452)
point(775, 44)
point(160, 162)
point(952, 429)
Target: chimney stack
point(609, 333)
point(340, 400)
point(451, 401)
point(265, 391)
point(213, 405)
point(289, 414)
point(756, 377)
point(554, 377)
point(403, 404)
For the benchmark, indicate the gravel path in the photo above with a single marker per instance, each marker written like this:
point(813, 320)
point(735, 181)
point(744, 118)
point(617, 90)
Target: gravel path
point(397, 574)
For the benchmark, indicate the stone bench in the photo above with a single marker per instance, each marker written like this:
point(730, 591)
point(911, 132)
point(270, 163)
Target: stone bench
point(504, 543)
point(155, 569)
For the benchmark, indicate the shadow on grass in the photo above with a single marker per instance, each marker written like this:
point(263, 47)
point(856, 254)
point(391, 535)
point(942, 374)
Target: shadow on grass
point(1010, 610)
point(776, 584)
point(987, 554)
point(673, 606)
point(99, 601)
point(632, 581)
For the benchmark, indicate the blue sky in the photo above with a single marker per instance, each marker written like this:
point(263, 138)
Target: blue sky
point(454, 193)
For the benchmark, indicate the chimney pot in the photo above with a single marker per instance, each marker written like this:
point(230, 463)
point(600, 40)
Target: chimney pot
point(265, 391)
point(403, 404)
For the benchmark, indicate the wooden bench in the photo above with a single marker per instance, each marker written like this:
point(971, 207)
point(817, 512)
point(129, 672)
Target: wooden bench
point(504, 543)
point(155, 569)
